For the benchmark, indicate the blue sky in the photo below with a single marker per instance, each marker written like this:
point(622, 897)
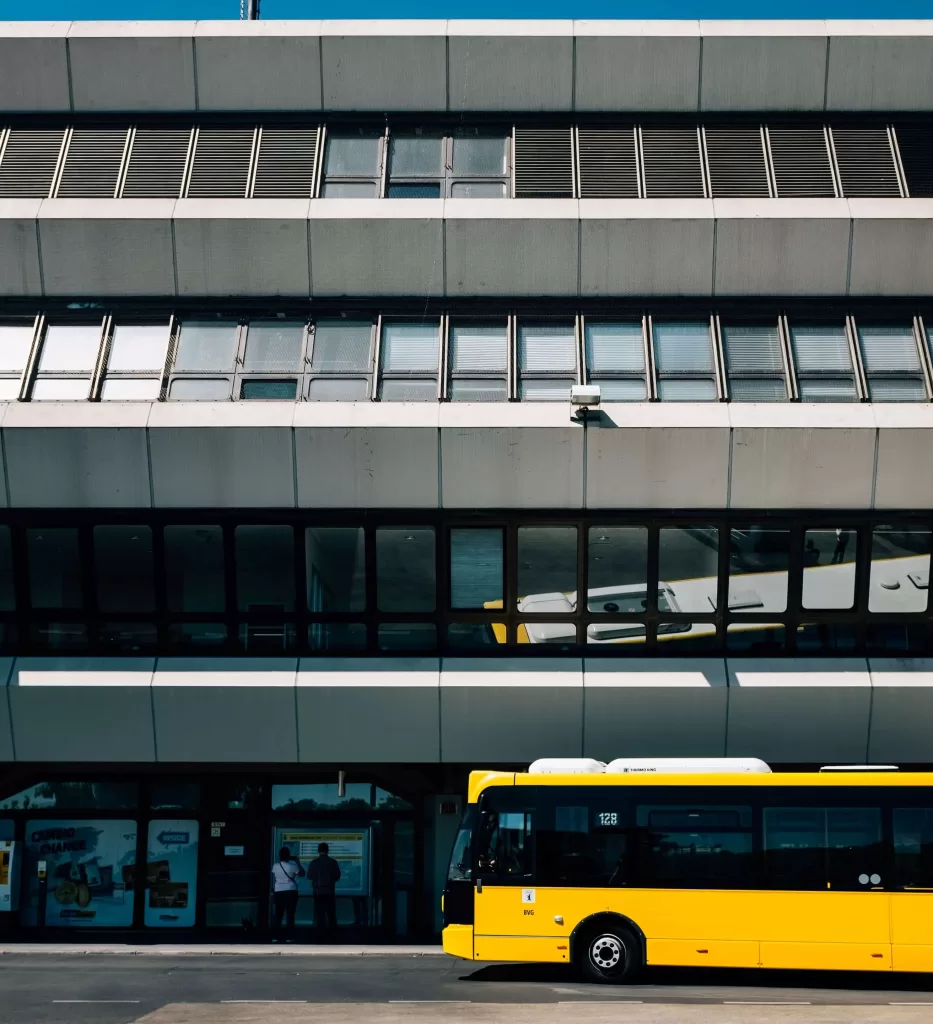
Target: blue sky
point(67, 10)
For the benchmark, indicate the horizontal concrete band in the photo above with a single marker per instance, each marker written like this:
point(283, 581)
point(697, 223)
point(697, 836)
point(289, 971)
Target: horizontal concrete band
point(465, 247)
point(466, 65)
point(455, 456)
point(484, 712)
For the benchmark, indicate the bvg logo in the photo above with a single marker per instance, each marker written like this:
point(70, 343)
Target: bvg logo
point(529, 913)
point(528, 896)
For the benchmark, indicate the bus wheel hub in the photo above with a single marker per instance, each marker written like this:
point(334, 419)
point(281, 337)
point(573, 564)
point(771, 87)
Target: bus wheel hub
point(606, 952)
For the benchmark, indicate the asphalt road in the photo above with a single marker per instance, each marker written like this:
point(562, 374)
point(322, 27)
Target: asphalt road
point(173, 989)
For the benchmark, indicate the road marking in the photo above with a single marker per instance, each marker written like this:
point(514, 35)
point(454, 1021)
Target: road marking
point(766, 1002)
point(597, 1002)
point(95, 1001)
point(906, 1003)
point(262, 1002)
point(446, 1002)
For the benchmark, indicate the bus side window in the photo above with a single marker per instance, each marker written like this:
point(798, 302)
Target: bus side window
point(585, 844)
point(504, 844)
point(913, 847)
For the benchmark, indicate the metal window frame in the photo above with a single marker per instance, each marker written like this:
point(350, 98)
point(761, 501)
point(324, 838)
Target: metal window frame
point(34, 374)
point(446, 180)
point(23, 375)
point(920, 333)
point(4, 138)
point(103, 374)
point(870, 375)
point(729, 376)
point(833, 161)
point(898, 164)
point(451, 375)
point(299, 374)
point(368, 375)
point(377, 180)
point(521, 375)
point(714, 374)
point(769, 162)
point(704, 162)
point(640, 163)
point(435, 378)
point(226, 375)
point(594, 377)
point(853, 374)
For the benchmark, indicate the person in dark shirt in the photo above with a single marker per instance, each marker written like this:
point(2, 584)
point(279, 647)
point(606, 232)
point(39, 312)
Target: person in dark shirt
point(324, 874)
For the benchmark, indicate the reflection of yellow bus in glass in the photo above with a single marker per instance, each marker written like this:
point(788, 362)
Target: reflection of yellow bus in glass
point(714, 862)
point(899, 585)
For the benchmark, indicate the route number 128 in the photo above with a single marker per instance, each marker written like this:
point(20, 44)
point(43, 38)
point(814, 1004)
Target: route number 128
point(608, 818)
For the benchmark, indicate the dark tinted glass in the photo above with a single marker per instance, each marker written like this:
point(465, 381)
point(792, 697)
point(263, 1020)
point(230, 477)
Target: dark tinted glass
point(913, 847)
point(54, 568)
point(265, 569)
point(123, 568)
point(194, 568)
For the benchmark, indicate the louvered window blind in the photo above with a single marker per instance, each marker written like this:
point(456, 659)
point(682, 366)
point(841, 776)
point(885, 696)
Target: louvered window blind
point(92, 163)
point(15, 346)
point(824, 363)
point(683, 355)
point(801, 162)
point(221, 163)
point(754, 363)
point(865, 162)
point(205, 361)
point(615, 360)
point(672, 163)
point(547, 361)
point(478, 362)
point(156, 165)
point(341, 361)
point(543, 163)
point(285, 163)
point(736, 160)
point(408, 362)
point(29, 162)
point(892, 363)
point(915, 144)
point(608, 164)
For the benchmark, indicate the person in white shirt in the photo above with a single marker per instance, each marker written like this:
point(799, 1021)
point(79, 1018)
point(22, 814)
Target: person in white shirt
point(285, 875)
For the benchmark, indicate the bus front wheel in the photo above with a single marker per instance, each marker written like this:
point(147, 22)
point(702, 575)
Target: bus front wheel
point(609, 954)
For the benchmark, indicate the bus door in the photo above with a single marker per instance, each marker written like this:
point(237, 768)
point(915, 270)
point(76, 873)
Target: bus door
point(912, 895)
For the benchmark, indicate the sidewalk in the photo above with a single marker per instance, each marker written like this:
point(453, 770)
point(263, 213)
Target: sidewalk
point(209, 949)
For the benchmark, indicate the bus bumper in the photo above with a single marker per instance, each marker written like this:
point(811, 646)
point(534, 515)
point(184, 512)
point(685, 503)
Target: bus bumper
point(458, 940)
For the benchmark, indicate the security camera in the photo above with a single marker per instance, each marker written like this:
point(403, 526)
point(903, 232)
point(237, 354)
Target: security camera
point(584, 396)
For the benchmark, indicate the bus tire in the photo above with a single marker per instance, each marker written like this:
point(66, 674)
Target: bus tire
point(608, 954)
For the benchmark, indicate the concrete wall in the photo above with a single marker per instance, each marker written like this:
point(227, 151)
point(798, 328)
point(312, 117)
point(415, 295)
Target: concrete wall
point(327, 248)
point(503, 711)
point(466, 65)
point(432, 455)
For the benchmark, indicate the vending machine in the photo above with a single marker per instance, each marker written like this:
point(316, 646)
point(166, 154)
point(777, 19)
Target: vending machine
point(11, 855)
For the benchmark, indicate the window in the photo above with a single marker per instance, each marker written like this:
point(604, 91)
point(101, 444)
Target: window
point(819, 848)
point(409, 361)
point(683, 355)
point(407, 636)
point(547, 569)
point(547, 361)
point(689, 568)
point(265, 570)
point(829, 568)
point(123, 568)
point(15, 346)
point(341, 361)
point(478, 362)
point(758, 569)
point(273, 360)
point(754, 362)
point(136, 363)
point(205, 361)
point(476, 565)
point(416, 166)
point(66, 362)
point(617, 561)
point(54, 568)
point(824, 363)
point(615, 360)
point(353, 165)
point(405, 573)
point(335, 569)
point(892, 363)
point(337, 637)
point(583, 839)
point(900, 569)
point(913, 847)
point(480, 165)
point(430, 165)
point(503, 844)
point(194, 569)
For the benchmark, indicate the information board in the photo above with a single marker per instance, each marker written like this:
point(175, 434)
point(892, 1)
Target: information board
point(349, 847)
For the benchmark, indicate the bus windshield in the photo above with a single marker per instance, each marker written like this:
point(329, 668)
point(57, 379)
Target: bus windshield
point(461, 868)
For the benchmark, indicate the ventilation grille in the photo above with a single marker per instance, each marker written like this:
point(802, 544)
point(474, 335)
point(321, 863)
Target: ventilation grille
point(92, 163)
point(285, 165)
point(608, 167)
point(29, 163)
point(916, 149)
point(736, 162)
point(801, 162)
point(543, 163)
point(220, 168)
point(865, 162)
point(672, 163)
point(156, 168)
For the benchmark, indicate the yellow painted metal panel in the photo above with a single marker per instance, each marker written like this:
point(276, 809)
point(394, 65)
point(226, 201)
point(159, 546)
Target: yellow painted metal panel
point(702, 953)
point(510, 947)
point(913, 958)
point(912, 930)
point(458, 940)
point(827, 956)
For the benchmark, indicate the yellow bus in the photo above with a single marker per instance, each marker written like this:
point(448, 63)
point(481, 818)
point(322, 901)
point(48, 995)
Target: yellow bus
point(716, 862)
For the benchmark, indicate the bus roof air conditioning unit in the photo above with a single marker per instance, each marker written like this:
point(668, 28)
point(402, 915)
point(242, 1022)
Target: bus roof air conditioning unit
point(686, 766)
point(567, 766)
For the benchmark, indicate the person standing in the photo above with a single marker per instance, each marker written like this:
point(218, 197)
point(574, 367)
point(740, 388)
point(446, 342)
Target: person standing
point(324, 874)
point(285, 877)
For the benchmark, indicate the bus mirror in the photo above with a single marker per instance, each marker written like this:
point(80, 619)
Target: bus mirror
point(479, 884)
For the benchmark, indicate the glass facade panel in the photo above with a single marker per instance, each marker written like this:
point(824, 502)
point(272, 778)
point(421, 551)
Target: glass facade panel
point(689, 567)
point(54, 567)
point(9, 389)
point(675, 390)
point(131, 389)
point(65, 389)
point(476, 567)
point(415, 155)
point(683, 347)
point(479, 155)
point(269, 390)
point(407, 636)
point(913, 847)
point(273, 346)
point(352, 155)
point(767, 389)
point(758, 565)
point(194, 568)
point(900, 569)
point(547, 568)
point(754, 362)
point(614, 347)
point(337, 637)
point(335, 389)
point(405, 569)
point(265, 569)
point(478, 348)
point(545, 390)
point(408, 391)
point(475, 634)
point(206, 346)
point(335, 569)
point(414, 190)
point(829, 568)
point(478, 190)
point(349, 190)
point(562, 635)
point(138, 348)
point(15, 343)
point(199, 389)
point(410, 348)
point(342, 346)
point(477, 390)
point(547, 348)
point(69, 348)
point(617, 558)
point(123, 568)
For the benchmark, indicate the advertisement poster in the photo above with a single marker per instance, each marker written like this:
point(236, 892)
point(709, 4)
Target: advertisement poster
point(171, 873)
point(349, 847)
point(90, 868)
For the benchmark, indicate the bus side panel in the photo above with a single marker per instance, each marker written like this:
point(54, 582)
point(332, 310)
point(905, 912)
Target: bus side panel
point(825, 930)
point(702, 953)
point(912, 930)
point(458, 940)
